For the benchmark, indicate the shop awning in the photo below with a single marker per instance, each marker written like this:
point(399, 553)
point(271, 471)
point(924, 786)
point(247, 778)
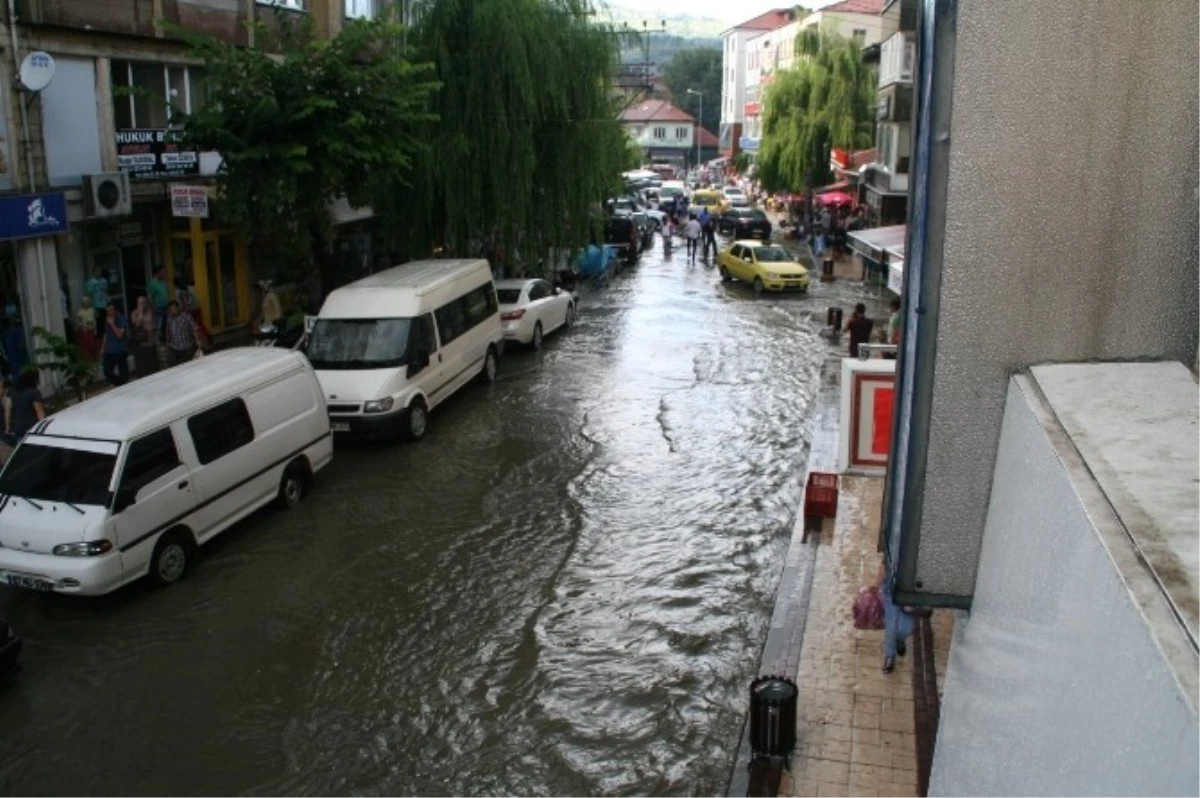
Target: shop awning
point(878, 241)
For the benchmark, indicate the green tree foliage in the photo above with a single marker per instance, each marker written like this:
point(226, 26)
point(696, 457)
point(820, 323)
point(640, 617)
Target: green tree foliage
point(700, 69)
point(826, 101)
point(527, 141)
point(303, 122)
point(54, 353)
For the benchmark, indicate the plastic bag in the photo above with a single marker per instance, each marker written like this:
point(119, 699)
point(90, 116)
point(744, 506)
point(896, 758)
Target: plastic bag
point(868, 609)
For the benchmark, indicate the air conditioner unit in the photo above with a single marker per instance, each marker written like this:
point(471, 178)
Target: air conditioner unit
point(107, 195)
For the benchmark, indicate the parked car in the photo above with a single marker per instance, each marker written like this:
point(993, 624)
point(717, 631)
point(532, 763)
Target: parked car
point(767, 267)
point(646, 229)
point(621, 231)
point(391, 347)
point(10, 652)
point(132, 481)
point(744, 223)
point(531, 308)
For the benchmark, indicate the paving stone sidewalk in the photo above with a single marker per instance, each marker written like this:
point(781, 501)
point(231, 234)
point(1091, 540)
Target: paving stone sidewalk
point(856, 725)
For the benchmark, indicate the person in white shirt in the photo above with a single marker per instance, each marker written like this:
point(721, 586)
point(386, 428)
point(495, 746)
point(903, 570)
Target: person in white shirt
point(692, 233)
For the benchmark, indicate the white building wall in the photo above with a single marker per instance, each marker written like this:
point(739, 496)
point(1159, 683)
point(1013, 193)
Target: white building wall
point(1071, 676)
point(874, 28)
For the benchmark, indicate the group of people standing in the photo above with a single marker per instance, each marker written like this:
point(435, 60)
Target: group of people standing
point(698, 228)
point(103, 329)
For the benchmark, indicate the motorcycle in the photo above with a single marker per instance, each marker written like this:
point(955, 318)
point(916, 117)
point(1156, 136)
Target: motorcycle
point(281, 334)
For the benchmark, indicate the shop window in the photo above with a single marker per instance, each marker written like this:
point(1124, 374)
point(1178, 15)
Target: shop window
point(147, 94)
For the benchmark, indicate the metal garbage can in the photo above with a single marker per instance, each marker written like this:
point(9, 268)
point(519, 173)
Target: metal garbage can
point(833, 318)
point(773, 701)
point(827, 269)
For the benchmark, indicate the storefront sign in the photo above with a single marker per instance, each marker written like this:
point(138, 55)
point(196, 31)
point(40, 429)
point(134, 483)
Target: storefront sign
point(154, 153)
point(896, 277)
point(32, 215)
point(189, 200)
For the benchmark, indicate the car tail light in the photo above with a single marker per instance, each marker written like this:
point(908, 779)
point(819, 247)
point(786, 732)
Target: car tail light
point(512, 315)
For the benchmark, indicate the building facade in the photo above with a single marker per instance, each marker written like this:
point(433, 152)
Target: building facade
point(733, 74)
point(96, 141)
point(664, 132)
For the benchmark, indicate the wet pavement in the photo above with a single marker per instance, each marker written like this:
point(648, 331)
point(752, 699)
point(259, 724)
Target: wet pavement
point(564, 589)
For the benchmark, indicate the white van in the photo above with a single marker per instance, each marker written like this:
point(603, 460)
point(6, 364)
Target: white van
point(132, 481)
point(390, 347)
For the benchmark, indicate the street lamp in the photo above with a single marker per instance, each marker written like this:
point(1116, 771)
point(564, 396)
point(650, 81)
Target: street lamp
point(699, 123)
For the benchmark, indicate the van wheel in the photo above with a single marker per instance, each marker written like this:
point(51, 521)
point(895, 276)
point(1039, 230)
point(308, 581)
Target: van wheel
point(758, 286)
point(416, 419)
point(536, 341)
point(171, 559)
point(490, 366)
point(291, 486)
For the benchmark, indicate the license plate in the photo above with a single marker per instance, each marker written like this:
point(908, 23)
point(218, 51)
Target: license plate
point(340, 426)
point(29, 582)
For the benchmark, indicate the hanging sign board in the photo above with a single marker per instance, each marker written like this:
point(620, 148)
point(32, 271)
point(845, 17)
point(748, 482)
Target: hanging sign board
point(189, 200)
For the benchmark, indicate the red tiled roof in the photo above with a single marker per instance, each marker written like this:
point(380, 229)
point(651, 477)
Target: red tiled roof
point(769, 21)
point(857, 6)
point(657, 110)
point(708, 139)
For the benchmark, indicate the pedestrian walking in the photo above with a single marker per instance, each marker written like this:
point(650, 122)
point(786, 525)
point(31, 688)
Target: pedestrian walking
point(116, 346)
point(897, 624)
point(692, 232)
point(183, 335)
point(859, 326)
point(710, 236)
point(157, 294)
point(85, 328)
point(145, 325)
point(97, 288)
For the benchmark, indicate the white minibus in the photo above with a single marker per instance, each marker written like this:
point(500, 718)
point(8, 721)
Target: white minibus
point(389, 348)
point(133, 481)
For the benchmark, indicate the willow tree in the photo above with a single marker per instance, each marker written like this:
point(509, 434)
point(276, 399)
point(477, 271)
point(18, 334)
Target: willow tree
point(303, 121)
point(826, 101)
point(527, 140)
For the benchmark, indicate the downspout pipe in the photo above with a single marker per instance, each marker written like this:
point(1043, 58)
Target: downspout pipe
point(905, 487)
point(30, 175)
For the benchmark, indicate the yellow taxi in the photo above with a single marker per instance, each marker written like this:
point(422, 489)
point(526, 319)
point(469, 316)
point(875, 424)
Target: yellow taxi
point(706, 198)
point(766, 266)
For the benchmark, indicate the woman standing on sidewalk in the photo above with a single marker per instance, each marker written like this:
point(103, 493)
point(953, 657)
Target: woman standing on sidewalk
point(897, 624)
point(145, 338)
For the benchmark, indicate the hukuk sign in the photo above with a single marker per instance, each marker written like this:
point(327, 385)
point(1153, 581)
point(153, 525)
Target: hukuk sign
point(32, 215)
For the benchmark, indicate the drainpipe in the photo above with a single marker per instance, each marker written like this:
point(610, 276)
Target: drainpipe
point(26, 146)
point(905, 488)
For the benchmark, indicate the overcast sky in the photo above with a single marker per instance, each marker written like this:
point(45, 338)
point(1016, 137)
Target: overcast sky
point(729, 11)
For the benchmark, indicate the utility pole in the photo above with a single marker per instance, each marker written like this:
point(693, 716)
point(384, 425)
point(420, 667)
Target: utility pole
point(699, 123)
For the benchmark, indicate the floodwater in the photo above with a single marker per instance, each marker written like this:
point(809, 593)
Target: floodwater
point(564, 589)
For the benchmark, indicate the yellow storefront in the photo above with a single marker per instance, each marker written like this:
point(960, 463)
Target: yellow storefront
point(213, 261)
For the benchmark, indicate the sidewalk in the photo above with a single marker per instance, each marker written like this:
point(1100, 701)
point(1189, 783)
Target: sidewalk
point(858, 727)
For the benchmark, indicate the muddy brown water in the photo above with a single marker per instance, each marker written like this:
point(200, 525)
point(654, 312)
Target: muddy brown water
point(564, 589)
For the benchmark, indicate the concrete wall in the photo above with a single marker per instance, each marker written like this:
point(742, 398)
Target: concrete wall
point(1068, 677)
point(1071, 227)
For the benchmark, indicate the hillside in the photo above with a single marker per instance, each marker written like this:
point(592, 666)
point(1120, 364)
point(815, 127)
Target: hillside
point(686, 26)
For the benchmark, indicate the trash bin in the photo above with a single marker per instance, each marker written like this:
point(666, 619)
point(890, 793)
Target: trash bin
point(773, 702)
point(833, 318)
point(827, 269)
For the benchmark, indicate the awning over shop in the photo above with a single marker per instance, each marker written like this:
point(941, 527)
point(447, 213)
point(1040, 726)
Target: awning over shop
point(878, 241)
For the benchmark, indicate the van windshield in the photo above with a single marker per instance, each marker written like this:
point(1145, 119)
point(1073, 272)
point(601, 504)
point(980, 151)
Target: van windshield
point(54, 474)
point(359, 343)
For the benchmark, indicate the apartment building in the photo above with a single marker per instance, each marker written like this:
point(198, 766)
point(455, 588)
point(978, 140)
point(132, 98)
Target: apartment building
point(88, 160)
point(733, 71)
point(768, 52)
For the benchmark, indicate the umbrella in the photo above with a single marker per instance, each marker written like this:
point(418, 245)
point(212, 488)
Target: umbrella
point(835, 198)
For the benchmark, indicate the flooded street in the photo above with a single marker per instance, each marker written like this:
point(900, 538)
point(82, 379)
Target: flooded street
point(563, 589)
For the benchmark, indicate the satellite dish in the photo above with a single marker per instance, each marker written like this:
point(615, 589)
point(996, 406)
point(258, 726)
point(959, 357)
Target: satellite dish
point(37, 70)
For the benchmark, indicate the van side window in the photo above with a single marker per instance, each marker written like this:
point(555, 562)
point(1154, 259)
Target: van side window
point(459, 315)
point(149, 458)
point(451, 320)
point(220, 430)
point(427, 336)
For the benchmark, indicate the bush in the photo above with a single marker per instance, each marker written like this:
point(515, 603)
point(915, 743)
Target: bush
point(56, 354)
